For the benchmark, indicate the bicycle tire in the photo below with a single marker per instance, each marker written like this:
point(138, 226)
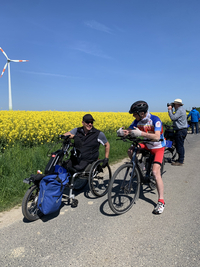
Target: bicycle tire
point(29, 204)
point(99, 179)
point(119, 199)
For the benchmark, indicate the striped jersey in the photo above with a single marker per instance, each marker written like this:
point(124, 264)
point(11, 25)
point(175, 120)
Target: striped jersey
point(150, 124)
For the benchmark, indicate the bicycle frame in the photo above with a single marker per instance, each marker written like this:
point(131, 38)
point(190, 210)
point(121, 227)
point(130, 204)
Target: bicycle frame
point(135, 162)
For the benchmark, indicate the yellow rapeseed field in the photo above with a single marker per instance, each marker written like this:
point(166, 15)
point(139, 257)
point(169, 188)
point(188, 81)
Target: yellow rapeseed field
point(37, 127)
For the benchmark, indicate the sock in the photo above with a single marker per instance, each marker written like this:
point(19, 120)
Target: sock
point(161, 200)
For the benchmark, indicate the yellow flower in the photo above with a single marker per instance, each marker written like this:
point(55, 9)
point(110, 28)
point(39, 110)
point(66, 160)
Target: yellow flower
point(37, 127)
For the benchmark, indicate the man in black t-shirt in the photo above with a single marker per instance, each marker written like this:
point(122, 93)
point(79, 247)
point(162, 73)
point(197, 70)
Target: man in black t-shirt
point(90, 139)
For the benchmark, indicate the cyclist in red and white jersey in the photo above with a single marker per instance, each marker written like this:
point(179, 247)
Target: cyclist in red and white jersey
point(150, 127)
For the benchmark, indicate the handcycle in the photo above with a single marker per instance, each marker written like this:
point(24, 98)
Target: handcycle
point(124, 188)
point(94, 174)
point(170, 148)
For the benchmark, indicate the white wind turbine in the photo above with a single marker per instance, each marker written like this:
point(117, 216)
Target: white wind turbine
point(9, 80)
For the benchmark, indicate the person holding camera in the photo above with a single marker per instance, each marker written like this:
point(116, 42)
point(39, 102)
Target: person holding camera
point(195, 117)
point(180, 124)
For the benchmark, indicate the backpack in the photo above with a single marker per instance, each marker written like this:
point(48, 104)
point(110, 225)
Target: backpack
point(51, 190)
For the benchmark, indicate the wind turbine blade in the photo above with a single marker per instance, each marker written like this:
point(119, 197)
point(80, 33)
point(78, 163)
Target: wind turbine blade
point(4, 53)
point(4, 69)
point(19, 60)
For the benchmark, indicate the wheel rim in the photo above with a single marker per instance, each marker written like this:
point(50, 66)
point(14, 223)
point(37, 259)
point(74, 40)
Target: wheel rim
point(99, 180)
point(32, 202)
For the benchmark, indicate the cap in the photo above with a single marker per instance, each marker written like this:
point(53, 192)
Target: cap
point(178, 101)
point(88, 117)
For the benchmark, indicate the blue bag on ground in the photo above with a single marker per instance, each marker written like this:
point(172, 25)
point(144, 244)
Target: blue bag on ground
point(51, 191)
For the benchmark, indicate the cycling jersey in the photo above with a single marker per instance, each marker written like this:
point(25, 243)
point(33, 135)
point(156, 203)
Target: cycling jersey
point(150, 124)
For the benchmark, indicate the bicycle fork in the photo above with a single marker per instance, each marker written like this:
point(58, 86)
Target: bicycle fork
point(127, 187)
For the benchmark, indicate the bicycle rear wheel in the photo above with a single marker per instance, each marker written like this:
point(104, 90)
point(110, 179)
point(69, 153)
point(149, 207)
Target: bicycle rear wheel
point(123, 190)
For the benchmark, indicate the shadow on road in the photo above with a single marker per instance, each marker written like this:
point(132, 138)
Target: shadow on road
point(105, 209)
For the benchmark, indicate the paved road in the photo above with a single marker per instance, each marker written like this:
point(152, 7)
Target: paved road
point(90, 235)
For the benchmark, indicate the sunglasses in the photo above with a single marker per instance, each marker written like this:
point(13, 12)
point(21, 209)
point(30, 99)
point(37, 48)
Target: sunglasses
point(89, 122)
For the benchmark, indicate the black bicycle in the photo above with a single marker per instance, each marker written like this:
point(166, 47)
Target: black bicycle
point(94, 174)
point(124, 188)
point(170, 148)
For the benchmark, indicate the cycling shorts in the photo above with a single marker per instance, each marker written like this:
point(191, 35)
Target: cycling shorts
point(157, 152)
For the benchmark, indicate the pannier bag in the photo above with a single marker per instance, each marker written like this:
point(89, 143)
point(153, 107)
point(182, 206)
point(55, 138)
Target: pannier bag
point(51, 191)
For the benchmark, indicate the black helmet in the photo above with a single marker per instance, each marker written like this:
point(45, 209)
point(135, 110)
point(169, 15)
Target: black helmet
point(139, 106)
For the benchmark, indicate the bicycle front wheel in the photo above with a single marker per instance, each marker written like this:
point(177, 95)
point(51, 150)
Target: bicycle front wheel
point(29, 204)
point(124, 189)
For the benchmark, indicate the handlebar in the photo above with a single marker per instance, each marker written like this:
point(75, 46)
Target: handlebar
point(64, 136)
point(66, 141)
point(136, 140)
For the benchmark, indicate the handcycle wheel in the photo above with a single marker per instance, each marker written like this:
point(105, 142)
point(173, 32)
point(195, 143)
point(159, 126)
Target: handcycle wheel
point(99, 178)
point(29, 204)
point(123, 192)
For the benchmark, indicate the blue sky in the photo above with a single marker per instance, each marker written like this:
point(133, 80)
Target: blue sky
point(100, 55)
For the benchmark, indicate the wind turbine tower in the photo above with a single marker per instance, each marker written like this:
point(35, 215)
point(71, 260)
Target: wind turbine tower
point(9, 80)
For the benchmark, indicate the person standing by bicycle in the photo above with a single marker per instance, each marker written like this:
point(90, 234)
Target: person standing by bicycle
point(180, 124)
point(195, 117)
point(150, 127)
point(89, 140)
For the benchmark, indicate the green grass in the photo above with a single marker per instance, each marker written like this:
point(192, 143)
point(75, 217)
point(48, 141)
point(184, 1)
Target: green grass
point(19, 162)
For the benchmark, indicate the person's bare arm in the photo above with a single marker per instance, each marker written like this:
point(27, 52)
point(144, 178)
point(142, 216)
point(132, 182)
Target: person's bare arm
point(107, 150)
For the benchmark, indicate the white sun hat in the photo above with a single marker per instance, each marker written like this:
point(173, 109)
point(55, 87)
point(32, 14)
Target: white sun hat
point(178, 101)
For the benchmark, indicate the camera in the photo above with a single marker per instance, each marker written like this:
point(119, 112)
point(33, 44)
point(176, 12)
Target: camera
point(170, 104)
